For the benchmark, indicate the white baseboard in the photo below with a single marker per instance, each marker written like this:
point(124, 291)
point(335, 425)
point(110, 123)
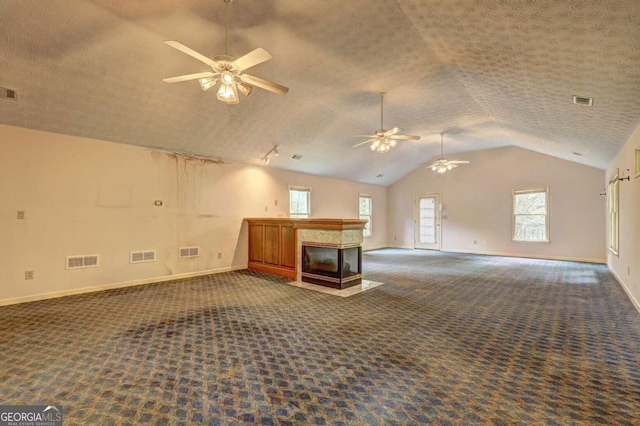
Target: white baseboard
point(74, 291)
point(531, 256)
point(497, 253)
point(624, 287)
point(373, 248)
point(399, 247)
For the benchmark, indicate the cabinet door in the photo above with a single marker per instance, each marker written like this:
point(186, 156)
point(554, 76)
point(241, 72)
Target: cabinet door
point(272, 244)
point(256, 243)
point(288, 246)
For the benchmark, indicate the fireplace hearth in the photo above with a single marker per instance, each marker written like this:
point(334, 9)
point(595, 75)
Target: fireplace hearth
point(336, 266)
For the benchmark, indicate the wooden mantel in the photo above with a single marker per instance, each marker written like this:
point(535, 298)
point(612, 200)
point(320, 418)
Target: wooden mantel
point(273, 241)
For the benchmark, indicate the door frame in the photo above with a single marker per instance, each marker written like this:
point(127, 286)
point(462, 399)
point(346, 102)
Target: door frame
point(416, 218)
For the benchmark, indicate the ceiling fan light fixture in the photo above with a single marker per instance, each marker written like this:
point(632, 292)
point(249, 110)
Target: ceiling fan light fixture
point(228, 93)
point(226, 77)
point(245, 89)
point(207, 83)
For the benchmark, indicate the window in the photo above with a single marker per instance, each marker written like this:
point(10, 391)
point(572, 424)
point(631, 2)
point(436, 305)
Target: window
point(531, 215)
point(299, 202)
point(613, 196)
point(366, 212)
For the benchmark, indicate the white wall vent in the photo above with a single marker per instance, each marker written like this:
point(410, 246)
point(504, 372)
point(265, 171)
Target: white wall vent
point(189, 252)
point(10, 94)
point(142, 256)
point(579, 100)
point(83, 261)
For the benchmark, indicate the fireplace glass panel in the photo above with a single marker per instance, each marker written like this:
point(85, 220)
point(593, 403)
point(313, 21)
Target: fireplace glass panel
point(350, 262)
point(321, 261)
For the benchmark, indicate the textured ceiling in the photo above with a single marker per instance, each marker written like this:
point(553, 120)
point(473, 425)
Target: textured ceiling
point(488, 73)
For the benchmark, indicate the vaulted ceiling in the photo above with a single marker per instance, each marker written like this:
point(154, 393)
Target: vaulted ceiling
point(487, 73)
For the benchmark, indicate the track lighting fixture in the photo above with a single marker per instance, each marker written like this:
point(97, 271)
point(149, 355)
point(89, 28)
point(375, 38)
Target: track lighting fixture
point(273, 151)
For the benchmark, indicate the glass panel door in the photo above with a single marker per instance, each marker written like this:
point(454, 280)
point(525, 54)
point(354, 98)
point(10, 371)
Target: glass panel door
point(427, 221)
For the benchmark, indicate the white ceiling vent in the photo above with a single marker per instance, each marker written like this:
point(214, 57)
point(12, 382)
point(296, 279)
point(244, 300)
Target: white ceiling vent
point(142, 256)
point(83, 261)
point(8, 94)
point(579, 100)
point(189, 252)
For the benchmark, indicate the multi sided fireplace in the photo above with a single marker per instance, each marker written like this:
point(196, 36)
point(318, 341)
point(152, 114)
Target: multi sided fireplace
point(336, 266)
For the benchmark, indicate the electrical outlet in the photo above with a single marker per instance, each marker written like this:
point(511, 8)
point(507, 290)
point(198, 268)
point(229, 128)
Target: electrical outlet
point(475, 241)
point(158, 203)
point(275, 202)
point(28, 275)
point(21, 214)
point(219, 255)
point(628, 270)
point(266, 208)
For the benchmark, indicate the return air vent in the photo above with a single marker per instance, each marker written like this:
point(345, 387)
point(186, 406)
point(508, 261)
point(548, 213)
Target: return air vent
point(143, 256)
point(10, 94)
point(189, 252)
point(83, 261)
point(579, 100)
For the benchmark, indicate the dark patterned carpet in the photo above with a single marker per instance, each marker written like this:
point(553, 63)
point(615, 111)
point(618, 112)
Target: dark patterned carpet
point(449, 339)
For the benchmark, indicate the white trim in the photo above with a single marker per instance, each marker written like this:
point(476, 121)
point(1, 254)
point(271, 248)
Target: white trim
point(532, 256)
point(637, 162)
point(306, 189)
point(63, 293)
point(547, 214)
point(374, 248)
point(369, 217)
point(624, 287)
point(437, 197)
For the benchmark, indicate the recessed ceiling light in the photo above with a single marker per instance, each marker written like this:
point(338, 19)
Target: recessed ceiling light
point(379, 175)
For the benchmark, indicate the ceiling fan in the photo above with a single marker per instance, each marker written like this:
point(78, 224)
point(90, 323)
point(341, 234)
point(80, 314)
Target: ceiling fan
point(442, 165)
point(228, 70)
point(383, 140)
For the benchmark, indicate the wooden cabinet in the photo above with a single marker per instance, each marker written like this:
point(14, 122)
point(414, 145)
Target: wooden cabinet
point(272, 247)
point(273, 242)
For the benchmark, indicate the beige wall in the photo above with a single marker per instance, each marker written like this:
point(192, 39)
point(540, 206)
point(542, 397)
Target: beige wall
point(477, 205)
point(626, 265)
point(84, 196)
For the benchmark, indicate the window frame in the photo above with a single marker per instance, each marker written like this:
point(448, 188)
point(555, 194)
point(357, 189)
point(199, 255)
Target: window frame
point(369, 216)
point(547, 214)
point(299, 188)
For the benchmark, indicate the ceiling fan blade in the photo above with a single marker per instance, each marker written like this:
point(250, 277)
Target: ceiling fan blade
point(184, 49)
point(252, 59)
point(264, 84)
point(188, 77)
point(405, 137)
point(365, 142)
point(458, 162)
point(391, 132)
point(365, 136)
